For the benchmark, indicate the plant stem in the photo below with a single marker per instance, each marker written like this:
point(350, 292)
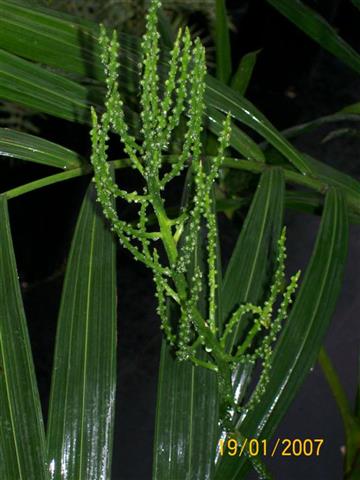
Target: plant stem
point(336, 388)
point(201, 363)
point(350, 422)
point(59, 177)
point(229, 162)
point(248, 341)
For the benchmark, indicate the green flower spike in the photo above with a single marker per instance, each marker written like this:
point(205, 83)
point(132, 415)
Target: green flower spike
point(182, 95)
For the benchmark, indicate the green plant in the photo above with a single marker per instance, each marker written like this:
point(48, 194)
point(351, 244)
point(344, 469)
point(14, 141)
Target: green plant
point(52, 64)
point(160, 117)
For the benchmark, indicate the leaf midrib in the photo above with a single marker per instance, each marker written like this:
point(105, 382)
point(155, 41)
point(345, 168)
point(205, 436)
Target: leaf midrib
point(87, 316)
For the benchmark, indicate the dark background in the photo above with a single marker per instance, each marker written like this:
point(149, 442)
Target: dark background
point(294, 81)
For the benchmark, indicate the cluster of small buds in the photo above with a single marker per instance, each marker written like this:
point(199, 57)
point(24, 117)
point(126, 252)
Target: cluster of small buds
point(203, 205)
point(185, 324)
point(263, 323)
point(183, 92)
point(150, 81)
point(176, 81)
point(162, 287)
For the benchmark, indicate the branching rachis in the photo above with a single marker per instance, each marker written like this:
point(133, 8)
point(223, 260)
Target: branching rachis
point(183, 93)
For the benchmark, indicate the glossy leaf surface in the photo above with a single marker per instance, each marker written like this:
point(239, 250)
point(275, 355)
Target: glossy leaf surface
point(240, 141)
point(39, 35)
point(35, 87)
point(22, 438)
point(81, 413)
point(21, 145)
point(186, 426)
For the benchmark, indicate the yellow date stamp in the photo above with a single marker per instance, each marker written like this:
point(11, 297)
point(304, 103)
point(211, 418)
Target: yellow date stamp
point(284, 447)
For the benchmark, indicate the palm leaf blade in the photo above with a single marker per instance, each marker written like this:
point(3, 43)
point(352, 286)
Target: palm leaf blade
point(81, 411)
point(21, 145)
point(22, 438)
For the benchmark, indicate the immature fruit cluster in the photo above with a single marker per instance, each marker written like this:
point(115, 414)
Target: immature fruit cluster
point(161, 112)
